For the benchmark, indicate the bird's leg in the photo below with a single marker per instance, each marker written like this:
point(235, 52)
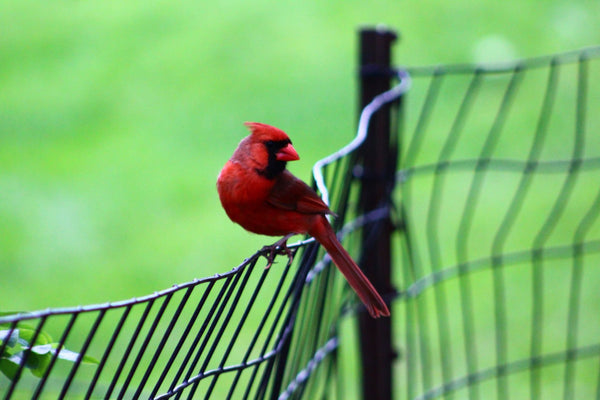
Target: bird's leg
point(278, 247)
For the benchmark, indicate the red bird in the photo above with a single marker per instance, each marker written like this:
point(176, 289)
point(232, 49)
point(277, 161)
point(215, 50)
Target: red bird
point(258, 193)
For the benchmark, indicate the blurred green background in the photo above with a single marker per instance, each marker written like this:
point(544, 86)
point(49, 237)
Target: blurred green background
point(116, 117)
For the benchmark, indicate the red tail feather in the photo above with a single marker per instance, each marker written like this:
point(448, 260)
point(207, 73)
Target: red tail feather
point(352, 272)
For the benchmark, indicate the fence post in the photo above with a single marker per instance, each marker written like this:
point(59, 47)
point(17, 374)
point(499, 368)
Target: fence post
point(379, 157)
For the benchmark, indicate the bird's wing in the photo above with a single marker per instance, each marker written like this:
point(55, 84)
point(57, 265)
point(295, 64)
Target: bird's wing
point(290, 193)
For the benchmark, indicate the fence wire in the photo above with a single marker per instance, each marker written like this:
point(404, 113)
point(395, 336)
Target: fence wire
point(499, 194)
point(497, 250)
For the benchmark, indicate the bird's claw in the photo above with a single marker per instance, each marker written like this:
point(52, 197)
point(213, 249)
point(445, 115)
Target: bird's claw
point(269, 252)
point(279, 247)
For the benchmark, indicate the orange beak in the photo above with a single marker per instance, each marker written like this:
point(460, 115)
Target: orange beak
point(288, 153)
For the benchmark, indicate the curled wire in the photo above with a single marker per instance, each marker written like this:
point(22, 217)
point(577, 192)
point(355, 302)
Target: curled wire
point(363, 125)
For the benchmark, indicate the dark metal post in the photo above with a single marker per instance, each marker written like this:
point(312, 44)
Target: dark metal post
point(379, 157)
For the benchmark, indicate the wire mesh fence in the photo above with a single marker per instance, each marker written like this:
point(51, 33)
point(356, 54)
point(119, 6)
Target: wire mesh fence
point(216, 337)
point(496, 250)
point(499, 194)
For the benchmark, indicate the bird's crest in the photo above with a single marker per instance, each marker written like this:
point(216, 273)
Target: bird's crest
point(266, 132)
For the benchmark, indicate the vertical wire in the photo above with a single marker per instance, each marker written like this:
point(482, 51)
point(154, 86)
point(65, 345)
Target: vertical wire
point(11, 331)
point(432, 219)
point(341, 179)
point(221, 304)
point(302, 339)
point(409, 323)
point(343, 199)
point(262, 382)
point(333, 373)
point(463, 278)
point(341, 381)
point(183, 338)
point(577, 270)
point(225, 323)
point(537, 292)
point(445, 153)
point(165, 336)
point(278, 366)
point(497, 271)
point(61, 344)
point(262, 324)
point(202, 334)
point(583, 229)
point(284, 326)
point(143, 347)
point(464, 230)
point(414, 147)
point(306, 336)
point(411, 259)
point(307, 319)
point(242, 320)
point(418, 271)
point(127, 351)
point(4, 344)
point(23, 362)
point(554, 215)
point(107, 351)
point(88, 340)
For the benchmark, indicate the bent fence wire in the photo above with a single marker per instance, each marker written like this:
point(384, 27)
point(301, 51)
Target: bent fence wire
point(497, 267)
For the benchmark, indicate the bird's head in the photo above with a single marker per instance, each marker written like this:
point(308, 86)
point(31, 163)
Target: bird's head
point(270, 149)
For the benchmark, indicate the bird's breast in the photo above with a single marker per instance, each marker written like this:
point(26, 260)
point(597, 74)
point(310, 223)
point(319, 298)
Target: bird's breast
point(236, 184)
point(244, 197)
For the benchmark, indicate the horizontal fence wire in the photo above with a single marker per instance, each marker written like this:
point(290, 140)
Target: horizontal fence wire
point(498, 199)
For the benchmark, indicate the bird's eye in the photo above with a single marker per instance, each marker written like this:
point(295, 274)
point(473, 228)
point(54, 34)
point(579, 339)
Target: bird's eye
point(269, 143)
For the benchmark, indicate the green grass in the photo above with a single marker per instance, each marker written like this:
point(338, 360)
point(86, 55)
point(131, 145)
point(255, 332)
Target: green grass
point(115, 119)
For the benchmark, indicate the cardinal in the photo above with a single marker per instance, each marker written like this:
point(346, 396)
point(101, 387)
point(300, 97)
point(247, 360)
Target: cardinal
point(260, 194)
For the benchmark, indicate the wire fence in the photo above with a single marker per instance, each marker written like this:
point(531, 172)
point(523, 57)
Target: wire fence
point(206, 338)
point(499, 197)
point(496, 251)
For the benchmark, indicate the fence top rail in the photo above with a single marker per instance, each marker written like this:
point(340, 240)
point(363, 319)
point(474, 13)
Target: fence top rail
point(507, 66)
point(21, 316)
point(29, 315)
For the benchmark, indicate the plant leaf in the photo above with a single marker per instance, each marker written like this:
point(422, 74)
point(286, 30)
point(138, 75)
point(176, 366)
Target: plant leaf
point(72, 356)
point(9, 337)
point(26, 335)
point(10, 366)
point(38, 362)
point(63, 354)
point(43, 348)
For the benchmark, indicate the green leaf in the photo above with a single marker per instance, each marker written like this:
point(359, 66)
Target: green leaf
point(63, 354)
point(26, 335)
point(9, 337)
point(38, 362)
point(9, 366)
point(68, 355)
point(9, 313)
point(72, 356)
point(90, 360)
point(44, 348)
point(38, 354)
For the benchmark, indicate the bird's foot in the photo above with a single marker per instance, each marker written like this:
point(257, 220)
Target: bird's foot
point(279, 247)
